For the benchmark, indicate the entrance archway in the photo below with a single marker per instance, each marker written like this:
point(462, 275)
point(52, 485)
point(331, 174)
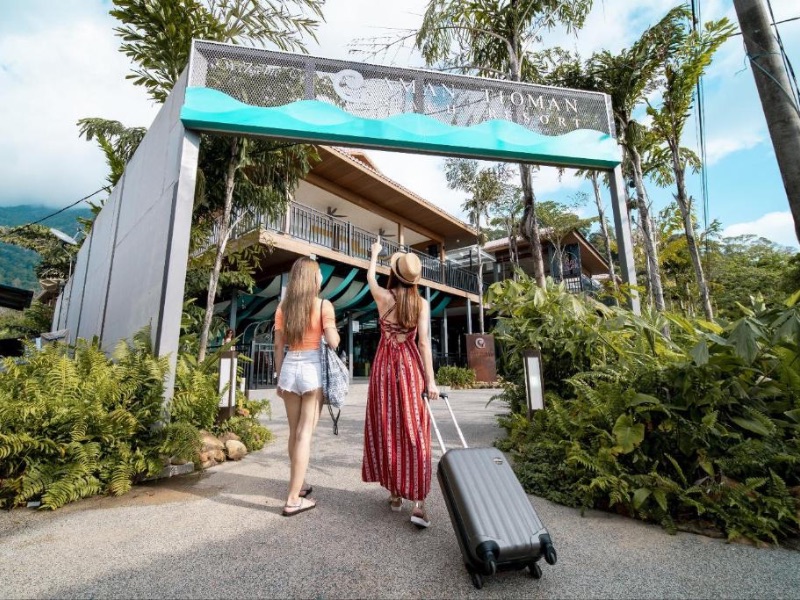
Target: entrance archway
point(130, 272)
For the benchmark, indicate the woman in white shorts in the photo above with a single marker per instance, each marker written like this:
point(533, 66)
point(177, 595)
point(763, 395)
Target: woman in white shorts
point(300, 321)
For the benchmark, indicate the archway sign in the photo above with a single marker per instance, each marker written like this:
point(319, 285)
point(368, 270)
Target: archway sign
point(131, 270)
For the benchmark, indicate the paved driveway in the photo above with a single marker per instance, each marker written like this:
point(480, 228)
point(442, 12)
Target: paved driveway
point(220, 534)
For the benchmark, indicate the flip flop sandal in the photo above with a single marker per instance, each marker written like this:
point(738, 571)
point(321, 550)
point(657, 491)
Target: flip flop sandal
point(290, 510)
point(396, 503)
point(419, 517)
point(305, 492)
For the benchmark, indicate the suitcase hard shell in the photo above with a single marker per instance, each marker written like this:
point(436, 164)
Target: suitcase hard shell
point(496, 525)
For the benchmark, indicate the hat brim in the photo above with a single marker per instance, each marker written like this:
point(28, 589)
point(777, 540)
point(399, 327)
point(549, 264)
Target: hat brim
point(393, 266)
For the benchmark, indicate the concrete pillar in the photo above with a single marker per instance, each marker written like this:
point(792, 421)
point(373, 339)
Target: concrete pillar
point(622, 226)
point(445, 349)
point(234, 308)
point(469, 316)
point(350, 344)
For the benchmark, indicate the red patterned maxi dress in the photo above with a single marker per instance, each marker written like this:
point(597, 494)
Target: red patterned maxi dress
point(397, 439)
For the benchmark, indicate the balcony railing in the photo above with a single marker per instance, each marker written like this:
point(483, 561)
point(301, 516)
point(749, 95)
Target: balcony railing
point(315, 227)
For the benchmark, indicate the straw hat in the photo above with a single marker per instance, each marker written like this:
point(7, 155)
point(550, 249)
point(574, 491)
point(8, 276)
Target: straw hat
point(406, 267)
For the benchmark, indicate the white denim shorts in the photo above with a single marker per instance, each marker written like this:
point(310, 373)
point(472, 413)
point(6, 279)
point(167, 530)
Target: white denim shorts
point(301, 372)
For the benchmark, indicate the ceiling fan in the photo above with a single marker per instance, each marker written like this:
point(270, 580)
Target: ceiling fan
point(334, 212)
point(382, 233)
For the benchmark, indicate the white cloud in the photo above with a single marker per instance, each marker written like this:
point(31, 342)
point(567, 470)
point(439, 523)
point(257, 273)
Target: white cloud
point(60, 62)
point(47, 87)
point(721, 145)
point(348, 20)
point(423, 175)
point(775, 226)
point(611, 26)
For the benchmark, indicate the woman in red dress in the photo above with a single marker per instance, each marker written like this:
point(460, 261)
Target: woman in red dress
point(397, 437)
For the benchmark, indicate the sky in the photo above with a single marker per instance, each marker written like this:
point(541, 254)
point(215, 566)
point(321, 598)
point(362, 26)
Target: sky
point(59, 62)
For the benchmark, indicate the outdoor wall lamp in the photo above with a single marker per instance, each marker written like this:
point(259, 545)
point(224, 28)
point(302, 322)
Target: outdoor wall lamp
point(534, 390)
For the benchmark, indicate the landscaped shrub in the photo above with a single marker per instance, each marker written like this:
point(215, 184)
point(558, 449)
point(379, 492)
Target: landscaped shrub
point(74, 423)
point(455, 377)
point(196, 396)
point(75, 426)
point(702, 429)
point(250, 431)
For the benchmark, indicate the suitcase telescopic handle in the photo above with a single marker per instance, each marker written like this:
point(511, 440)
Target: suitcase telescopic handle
point(452, 415)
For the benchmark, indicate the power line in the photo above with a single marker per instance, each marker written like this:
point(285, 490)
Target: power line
point(786, 64)
point(60, 210)
point(701, 133)
point(774, 23)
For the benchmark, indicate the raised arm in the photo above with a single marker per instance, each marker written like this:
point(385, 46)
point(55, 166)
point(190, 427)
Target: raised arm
point(378, 293)
point(424, 345)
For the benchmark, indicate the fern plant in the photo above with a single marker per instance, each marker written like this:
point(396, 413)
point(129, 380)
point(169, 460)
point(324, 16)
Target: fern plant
point(76, 424)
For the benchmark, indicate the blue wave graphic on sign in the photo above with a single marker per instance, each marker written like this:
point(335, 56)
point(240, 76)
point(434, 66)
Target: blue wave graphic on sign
point(211, 110)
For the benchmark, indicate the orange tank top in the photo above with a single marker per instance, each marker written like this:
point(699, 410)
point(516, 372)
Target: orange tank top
point(313, 332)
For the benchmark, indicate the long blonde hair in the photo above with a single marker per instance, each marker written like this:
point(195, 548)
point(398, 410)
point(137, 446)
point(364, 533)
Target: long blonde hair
point(301, 295)
point(407, 300)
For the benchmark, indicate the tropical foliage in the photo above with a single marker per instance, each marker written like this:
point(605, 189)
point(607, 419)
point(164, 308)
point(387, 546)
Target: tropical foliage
point(80, 425)
point(236, 176)
point(455, 377)
point(494, 38)
point(21, 263)
point(701, 429)
point(77, 424)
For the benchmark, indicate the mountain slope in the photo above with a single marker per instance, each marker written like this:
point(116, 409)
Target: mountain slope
point(17, 264)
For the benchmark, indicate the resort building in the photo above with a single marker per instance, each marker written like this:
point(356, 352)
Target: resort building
point(335, 215)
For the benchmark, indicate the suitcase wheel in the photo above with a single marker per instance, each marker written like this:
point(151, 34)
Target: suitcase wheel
point(477, 579)
point(491, 565)
point(535, 570)
point(550, 555)
point(549, 551)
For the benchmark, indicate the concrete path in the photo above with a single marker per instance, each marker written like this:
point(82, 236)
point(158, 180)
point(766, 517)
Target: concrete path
point(220, 534)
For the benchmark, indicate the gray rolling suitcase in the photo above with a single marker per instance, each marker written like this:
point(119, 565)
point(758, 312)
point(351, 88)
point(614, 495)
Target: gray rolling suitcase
point(496, 526)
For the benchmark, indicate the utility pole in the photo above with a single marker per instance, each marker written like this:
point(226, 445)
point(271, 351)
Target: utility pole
point(780, 107)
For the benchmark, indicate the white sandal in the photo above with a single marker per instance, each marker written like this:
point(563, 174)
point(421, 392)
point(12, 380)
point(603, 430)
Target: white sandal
point(419, 516)
point(396, 503)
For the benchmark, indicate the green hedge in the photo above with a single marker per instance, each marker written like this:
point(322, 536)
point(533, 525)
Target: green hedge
point(456, 377)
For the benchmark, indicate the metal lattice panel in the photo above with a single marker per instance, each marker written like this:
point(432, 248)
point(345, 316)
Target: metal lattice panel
point(266, 78)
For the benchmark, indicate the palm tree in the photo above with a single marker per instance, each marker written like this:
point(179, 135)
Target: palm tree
point(682, 69)
point(157, 37)
point(504, 213)
point(560, 220)
point(493, 38)
point(628, 77)
point(566, 69)
point(485, 187)
point(117, 142)
point(601, 218)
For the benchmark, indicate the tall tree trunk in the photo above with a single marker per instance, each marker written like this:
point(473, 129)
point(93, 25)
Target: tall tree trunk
point(651, 252)
point(513, 250)
point(224, 228)
point(604, 229)
point(772, 83)
point(688, 226)
point(559, 262)
point(530, 226)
